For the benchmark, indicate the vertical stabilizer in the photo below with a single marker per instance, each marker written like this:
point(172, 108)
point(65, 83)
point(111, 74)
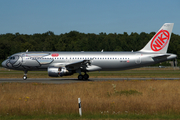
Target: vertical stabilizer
point(160, 41)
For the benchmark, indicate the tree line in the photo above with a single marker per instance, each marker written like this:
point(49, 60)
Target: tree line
point(76, 41)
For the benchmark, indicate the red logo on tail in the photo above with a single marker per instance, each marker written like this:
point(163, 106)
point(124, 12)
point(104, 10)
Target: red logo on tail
point(160, 40)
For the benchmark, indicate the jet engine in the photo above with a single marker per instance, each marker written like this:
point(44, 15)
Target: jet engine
point(58, 71)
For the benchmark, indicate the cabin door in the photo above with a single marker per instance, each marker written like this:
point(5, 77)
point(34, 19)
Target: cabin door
point(138, 58)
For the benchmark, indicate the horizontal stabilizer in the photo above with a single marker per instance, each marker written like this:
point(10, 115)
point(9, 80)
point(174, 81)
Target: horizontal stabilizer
point(160, 57)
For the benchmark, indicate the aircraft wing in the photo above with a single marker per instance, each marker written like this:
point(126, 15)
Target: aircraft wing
point(76, 65)
point(83, 64)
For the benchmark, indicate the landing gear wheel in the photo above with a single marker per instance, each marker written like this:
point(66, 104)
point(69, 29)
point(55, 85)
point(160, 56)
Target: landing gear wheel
point(80, 77)
point(24, 77)
point(86, 76)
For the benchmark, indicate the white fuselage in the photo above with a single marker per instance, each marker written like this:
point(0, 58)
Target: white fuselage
point(104, 61)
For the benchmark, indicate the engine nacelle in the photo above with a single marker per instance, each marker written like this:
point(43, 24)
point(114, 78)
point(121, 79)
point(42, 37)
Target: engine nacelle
point(58, 71)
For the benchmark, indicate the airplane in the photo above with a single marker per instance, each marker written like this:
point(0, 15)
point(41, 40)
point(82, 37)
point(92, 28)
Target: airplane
point(67, 63)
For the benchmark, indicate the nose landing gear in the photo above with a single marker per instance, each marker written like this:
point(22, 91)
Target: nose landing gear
point(25, 75)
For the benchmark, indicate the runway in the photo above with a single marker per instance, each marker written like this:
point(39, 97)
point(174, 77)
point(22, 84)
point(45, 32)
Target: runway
point(73, 80)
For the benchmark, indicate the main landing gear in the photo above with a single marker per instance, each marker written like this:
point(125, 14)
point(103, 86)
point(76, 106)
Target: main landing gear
point(25, 75)
point(81, 77)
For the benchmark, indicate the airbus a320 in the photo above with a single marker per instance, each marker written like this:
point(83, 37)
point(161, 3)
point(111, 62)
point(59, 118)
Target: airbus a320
point(67, 63)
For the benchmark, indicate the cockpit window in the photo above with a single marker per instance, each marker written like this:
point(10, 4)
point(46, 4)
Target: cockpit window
point(12, 58)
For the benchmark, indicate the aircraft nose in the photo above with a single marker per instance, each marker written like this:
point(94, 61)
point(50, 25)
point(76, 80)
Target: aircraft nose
point(3, 63)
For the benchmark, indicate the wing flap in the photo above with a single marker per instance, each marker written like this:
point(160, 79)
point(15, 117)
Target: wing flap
point(75, 65)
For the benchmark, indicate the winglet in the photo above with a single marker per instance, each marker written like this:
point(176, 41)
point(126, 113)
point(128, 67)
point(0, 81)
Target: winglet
point(160, 41)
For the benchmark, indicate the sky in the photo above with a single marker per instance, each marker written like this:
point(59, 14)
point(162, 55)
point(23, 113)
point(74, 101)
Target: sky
point(88, 16)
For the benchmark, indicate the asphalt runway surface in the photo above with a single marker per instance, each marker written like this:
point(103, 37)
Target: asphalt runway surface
point(73, 80)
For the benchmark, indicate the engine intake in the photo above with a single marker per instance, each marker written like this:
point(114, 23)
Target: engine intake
point(58, 71)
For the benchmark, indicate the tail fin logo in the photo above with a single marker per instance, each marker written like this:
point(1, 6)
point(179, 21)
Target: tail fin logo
point(160, 40)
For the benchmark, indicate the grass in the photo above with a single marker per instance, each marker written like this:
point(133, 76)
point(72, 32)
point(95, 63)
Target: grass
point(108, 99)
point(129, 92)
point(152, 72)
point(93, 117)
point(151, 99)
